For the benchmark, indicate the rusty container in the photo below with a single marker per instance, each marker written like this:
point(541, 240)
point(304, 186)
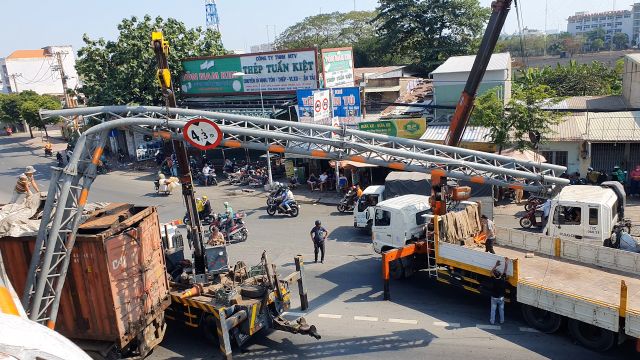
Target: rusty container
point(116, 288)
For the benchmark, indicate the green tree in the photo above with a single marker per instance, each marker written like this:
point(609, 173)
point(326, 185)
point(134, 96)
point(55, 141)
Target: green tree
point(30, 110)
point(575, 79)
point(427, 32)
point(124, 71)
point(9, 108)
point(597, 44)
point(525, 113)
point(620, 41)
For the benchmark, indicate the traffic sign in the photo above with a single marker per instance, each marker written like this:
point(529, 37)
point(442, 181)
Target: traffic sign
point(317, 106)
point(203, 134)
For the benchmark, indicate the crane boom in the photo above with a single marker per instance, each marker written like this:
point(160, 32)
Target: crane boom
point(499, 11)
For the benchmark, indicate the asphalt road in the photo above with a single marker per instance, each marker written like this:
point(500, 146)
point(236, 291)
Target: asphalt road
point(423, 319)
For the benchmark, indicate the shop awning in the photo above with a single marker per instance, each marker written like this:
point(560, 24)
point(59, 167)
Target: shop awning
point(346, 164)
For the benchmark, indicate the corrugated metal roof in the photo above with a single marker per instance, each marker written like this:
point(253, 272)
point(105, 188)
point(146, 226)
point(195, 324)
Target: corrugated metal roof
point(382, 89)
point(604, 126)
point(27, 54)
point(477, 134)
point(610, 102)
point(456, 64)
point(635, 57)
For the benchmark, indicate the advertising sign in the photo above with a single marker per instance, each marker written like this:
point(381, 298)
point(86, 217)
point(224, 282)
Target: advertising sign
point(411, 128)
point(346, 105)
point(280, 71)
point(337, 67)
point(322, 107)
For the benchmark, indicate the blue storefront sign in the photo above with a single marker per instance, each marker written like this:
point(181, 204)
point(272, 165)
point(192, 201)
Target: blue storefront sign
point(345, 103)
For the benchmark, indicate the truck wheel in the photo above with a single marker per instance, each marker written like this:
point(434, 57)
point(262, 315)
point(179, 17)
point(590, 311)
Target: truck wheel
point(526, 223)
point(209, 328)
point(396, 271)
point(591, 336)
point(543, 320)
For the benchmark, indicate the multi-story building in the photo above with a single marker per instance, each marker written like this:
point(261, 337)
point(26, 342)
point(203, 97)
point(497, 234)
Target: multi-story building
point(612, 22)
point(39, 70)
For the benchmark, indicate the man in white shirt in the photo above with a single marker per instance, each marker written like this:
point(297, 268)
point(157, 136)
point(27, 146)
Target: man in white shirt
point(545, 208)
point(323, 180)
point(489, 229)
point(206, 172)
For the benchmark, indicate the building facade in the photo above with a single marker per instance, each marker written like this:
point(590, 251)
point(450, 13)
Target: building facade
point(39, 70)
point(612, 22)
point(450, 78)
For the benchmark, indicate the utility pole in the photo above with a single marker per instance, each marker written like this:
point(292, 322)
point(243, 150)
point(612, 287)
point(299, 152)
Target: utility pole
point(545, 27)
point(15, 87)
point(63, 77)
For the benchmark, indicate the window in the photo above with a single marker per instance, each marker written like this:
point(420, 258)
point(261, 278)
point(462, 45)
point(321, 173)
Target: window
point(619, 23)
point(383, 218)
point(618, 30)
point(609, 31)
point(609, 17)
point(579, 27)
point(602, 18)
point(567, 215)
point(626, 16)
point(593, 216)
point(367, 200)
point(556, 157)
point(618, 16)
point(609, 24)
point(421, 219)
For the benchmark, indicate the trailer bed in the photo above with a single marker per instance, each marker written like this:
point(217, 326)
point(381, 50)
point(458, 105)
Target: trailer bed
point(563, 276)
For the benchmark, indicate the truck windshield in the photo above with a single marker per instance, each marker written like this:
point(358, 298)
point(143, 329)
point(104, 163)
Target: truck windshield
point(383, 218)
point(367, 200)
point(567, 215)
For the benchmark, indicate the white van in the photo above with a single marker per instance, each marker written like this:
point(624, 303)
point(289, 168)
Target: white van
point(363, 212)
point(399, 220)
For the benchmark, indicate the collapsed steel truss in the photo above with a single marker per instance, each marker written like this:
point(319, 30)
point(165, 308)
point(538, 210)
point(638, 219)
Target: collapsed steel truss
point(70, 186)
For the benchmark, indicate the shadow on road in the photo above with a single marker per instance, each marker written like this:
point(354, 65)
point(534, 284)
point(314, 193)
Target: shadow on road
point(349, 234)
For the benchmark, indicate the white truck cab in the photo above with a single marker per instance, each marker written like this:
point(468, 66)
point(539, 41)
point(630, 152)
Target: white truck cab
point(399, 220)
point(363, 212)
point(584, 212)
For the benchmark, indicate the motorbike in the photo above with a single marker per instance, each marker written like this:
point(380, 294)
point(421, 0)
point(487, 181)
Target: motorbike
point(348, 202)
point(294, 209)
point(274, 196)
point(60, 160)
point(205, 219)
point(199, 177)
point(238, 232)
point(533, 202)
point(104, 168)
point(48, 152)
point(530, 219)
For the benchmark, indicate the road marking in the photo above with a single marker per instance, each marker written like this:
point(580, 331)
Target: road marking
point(446, 324)
point(365, 318)
point(330, 316)
point(528, 329)
point(488, 327)
point(293, 313)
point(403, 321)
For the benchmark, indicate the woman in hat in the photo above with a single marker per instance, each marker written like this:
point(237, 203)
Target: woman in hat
point(22, 188)
point(29, 171)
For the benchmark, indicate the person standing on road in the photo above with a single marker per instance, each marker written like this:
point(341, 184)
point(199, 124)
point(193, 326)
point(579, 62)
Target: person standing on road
point(489, 230)
point(318, 236)
point(498, 290)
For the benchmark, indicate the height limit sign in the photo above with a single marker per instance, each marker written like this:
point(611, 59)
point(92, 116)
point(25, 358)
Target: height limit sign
point(203, 134)
point(322, 107)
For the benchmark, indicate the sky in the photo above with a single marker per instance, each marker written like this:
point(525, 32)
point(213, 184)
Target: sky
point(32, 24)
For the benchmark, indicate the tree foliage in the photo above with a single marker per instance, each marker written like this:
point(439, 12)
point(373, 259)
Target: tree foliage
point(620, 41)
point(575, 79)
point(123, 71)
point(525, 113)
point(427, 32)
point(26, 106)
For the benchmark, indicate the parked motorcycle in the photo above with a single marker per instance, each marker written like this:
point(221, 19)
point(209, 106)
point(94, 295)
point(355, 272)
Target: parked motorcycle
point(348, 202)
point(293, 211)
point(530, 219)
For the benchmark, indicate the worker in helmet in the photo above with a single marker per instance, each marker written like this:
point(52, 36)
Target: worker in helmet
point(206, 206)
point(228, 216)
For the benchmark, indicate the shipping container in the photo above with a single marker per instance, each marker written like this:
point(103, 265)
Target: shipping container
point(116, 288)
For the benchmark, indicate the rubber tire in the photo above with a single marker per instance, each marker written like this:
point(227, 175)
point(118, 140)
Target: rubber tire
point(270, 201)
point(528, 207)
point(209, 329)
point(252, 292)
point(526, 223)
point(542, 320)
point(271, 210)
point(294, 211)
point(603, 342)
point(244, 235)
point(396, 270)
point(341, 208)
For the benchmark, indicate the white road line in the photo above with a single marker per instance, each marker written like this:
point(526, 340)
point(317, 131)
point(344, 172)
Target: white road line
point(446, 324)
point(488, 327)
point(365, 318)
point(403, 321)
point(330, 316)
point(293, 313)
point(528, 329)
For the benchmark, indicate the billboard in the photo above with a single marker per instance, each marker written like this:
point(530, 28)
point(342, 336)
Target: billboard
point(278, 71)
point(411, 128)
point(337, 67)
point(345, 104)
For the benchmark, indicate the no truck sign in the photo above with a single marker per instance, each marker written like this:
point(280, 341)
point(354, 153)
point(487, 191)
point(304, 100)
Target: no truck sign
point(203, 134)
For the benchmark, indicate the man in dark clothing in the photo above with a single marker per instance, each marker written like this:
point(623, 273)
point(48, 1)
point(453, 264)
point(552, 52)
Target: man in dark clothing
point(498, 291)
point(318, 236)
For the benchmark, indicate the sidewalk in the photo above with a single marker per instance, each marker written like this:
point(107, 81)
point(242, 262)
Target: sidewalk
point(55, 137)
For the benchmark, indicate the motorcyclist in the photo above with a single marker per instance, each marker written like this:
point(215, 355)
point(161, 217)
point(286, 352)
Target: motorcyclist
point(59, 159)
point(206, 205)
point(228, 215)
point(207, 174)
point(200, 208)
point(48, 149)
point(287, 198)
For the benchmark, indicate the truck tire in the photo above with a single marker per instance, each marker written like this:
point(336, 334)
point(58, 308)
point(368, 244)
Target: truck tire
point(590, 336)
point(543, 320)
